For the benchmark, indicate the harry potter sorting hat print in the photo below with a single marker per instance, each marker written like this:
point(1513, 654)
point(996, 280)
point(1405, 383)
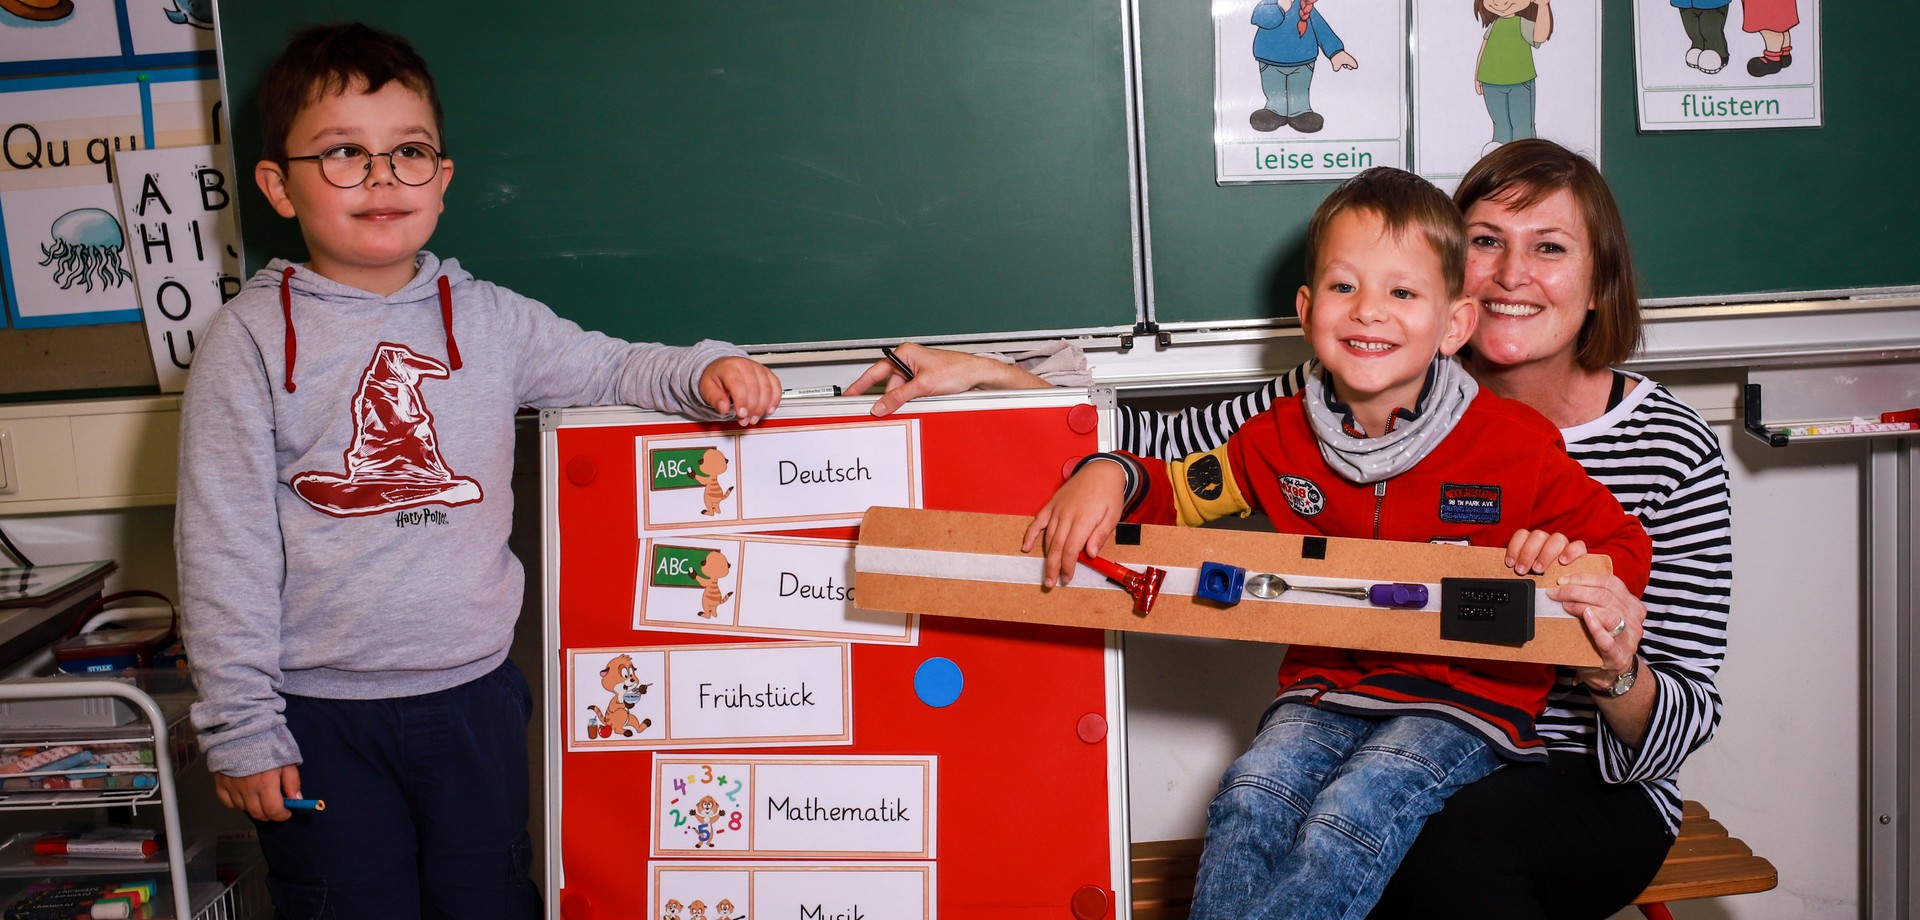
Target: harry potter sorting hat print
point(394, 461)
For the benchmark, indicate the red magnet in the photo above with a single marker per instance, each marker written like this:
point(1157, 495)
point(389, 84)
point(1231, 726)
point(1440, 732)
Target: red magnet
point(1144, 586)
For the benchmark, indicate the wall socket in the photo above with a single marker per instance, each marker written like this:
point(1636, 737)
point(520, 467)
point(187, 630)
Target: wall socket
point(9, 475)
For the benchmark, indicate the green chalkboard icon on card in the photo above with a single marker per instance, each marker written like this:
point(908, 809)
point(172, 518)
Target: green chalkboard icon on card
point(688, 468)
point(677, 566)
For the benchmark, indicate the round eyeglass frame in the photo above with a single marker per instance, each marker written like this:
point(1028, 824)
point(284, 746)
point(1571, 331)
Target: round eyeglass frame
point(366, 163)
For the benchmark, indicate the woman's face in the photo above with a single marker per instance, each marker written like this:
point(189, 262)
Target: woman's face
point(1530, 272)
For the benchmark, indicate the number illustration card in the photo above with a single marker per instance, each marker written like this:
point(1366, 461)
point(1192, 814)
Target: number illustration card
point(794, 693)
point(799, 891)
point(815, 475)
point(869, 807)
point(758, 586)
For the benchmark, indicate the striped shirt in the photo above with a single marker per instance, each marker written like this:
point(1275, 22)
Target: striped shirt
point(1659, 458)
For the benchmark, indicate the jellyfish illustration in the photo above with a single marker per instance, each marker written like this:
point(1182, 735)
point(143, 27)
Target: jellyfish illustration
point(196, 13)
point(87, 247)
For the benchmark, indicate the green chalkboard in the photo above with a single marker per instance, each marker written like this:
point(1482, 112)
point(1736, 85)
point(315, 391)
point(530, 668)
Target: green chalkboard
point(762, 171)
point(1709, 213)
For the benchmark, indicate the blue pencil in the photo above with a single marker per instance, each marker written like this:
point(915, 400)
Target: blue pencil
point(307, 804)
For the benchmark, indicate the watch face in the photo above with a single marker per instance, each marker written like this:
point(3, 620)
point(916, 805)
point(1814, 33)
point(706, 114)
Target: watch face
point(1624, 682)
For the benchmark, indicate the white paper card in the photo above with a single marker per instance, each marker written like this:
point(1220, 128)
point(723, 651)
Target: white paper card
point(793, 806)
point(787, 693)
point(794, 891)
point(177, 206)
point(758, 586)
point(1708, 69)
point(813, 474)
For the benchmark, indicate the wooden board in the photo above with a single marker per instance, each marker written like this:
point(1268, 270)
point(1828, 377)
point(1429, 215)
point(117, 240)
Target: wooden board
point(1558, 639)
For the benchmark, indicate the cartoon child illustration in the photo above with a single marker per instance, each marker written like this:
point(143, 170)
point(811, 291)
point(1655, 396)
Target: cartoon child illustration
point(621, 679)
point(712, 569)
point(1290, 36)
point(1504, 75)
point(1774, 20)
point(1706, 25)
point(673, 910)
point(712, 464)
point(39, 10)
point(723, 910)
point(706, 814)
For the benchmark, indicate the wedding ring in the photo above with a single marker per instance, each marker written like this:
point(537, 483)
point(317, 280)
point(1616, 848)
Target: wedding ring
point(1618, 628)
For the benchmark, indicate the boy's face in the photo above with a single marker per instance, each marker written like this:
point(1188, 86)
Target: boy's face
point(365, 236)
point(1377, 311)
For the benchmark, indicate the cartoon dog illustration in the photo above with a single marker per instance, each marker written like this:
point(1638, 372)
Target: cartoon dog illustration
point(712, 464)
point(712, 569)
point(621, 679)
point(673, 910)
point(697, 910)
point(706, 814)
point(723, 910)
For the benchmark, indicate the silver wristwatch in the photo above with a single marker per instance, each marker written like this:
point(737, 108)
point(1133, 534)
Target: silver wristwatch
point(1624, 683)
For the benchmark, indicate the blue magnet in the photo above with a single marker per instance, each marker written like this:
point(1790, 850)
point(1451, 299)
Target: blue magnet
point(937, 682)
point(1220, 583)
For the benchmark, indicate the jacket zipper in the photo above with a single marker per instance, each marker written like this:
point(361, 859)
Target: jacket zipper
point(1379, 503)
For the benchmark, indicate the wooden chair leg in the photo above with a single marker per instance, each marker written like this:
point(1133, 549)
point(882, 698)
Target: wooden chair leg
point(1656, 911)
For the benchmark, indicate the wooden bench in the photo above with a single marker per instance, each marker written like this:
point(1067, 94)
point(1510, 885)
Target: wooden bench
point(1704, 863)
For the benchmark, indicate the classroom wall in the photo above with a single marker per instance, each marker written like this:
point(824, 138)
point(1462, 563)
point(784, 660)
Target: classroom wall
point(1786, 774)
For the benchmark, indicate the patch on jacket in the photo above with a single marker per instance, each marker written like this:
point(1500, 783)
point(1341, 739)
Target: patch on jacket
point(1469, 504)
point(1302, 495)
point(1206, 478)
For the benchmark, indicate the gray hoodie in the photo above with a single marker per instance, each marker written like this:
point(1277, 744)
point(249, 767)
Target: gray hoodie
point(344, 494)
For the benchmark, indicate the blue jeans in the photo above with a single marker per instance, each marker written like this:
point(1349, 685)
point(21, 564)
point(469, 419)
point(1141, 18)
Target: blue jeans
point(1312, 820)
point(426, 807)
point(1511, 108)
point(1289, 89)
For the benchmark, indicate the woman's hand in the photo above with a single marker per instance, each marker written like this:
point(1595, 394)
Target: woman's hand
point(1615, 621)
point(937, 372)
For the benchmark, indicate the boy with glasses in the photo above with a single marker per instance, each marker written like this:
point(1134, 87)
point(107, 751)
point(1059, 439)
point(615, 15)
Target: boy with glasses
point(345, 500)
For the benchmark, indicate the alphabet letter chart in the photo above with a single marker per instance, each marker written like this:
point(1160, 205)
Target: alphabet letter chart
point(730, 730)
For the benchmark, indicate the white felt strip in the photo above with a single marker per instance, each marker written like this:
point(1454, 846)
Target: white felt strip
point(1026, 570)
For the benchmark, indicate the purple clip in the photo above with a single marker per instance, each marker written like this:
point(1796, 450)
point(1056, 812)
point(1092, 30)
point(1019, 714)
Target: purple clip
point(1397, 594)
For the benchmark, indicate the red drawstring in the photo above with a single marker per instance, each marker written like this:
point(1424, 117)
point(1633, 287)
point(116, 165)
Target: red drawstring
point(446, 320)
point(286, 314)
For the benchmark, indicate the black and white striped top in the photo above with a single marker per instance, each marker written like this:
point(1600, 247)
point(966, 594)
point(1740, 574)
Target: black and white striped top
point(1659, 458)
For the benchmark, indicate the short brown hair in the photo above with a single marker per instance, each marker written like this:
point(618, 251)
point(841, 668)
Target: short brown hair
point(1520, 174)
point(1402, 201)
point(324, 60)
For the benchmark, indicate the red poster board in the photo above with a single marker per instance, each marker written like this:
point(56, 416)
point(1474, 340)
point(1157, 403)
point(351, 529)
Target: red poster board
point(1030, 816)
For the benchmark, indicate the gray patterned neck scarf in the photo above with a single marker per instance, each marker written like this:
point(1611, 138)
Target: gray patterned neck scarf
point(1443, 399)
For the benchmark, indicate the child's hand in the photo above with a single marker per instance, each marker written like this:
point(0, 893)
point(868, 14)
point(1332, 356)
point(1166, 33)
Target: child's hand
point(1534, 550)
point(740, 387)
point(263, 796)
point(1079, 516)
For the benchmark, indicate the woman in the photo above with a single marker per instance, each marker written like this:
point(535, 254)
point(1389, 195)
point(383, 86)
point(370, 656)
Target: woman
point(1580, 837)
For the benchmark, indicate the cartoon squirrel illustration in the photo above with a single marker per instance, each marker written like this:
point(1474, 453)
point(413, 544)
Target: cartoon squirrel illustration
point(712, 569)
point(706, 814)
point(712, 464)
point(621, 679)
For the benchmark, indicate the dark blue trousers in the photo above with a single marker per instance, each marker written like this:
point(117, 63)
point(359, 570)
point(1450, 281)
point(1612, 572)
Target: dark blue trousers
point(426, 807)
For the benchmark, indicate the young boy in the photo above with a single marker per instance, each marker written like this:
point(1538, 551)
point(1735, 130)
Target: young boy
point(1360, 747)
point(345, 499)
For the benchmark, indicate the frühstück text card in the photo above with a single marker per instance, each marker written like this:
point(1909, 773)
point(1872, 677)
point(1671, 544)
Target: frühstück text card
point(787, 693)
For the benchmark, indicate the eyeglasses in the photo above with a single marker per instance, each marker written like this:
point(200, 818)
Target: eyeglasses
point(349, 165)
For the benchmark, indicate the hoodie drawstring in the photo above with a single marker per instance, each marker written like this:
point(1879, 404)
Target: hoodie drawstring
point(446, 322)
point(286, 316)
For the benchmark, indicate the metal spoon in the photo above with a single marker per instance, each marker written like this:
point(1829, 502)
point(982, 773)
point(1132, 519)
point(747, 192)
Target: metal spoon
point(1267, 586)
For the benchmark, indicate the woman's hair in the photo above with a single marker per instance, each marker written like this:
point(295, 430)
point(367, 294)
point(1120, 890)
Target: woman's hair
point(1530, 12)
point(325, 60)
point(1518, 175)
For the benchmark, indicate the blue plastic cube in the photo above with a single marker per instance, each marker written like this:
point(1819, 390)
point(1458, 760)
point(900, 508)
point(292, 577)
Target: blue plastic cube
point(1220, 583)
